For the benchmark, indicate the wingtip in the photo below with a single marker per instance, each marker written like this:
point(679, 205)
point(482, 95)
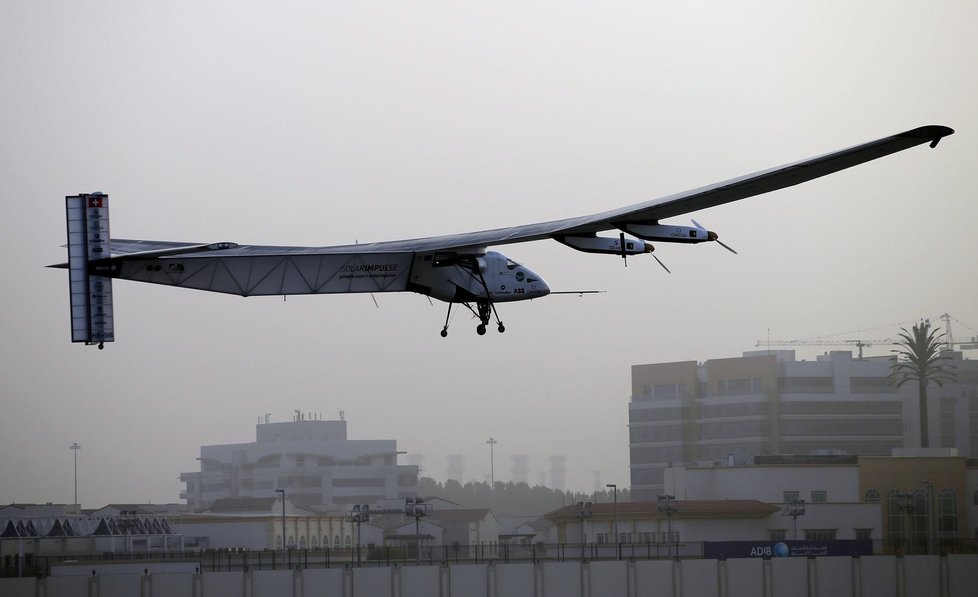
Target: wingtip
point(934, 133)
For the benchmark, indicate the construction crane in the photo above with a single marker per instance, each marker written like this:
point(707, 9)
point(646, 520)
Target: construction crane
point(971, 344)
point(860, 344)
point(949, 341)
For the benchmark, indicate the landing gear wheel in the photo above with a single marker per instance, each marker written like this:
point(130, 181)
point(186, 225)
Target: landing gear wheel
point(481, 329)
point(501, 328)
point(444, 333)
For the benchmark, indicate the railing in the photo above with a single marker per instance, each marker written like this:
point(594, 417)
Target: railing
point(211, 560)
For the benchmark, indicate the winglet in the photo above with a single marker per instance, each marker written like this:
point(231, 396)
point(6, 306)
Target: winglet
point(936, 132)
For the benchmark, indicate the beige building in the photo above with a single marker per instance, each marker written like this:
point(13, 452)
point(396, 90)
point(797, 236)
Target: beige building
point(929, 503)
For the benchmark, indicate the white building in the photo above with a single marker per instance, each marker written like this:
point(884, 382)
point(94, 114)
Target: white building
point(829, 486)
point(312, 461)
point(258, 523)
point(62, 529)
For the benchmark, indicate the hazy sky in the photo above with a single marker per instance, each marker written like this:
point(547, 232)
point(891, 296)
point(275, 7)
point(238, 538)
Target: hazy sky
point(318, 123)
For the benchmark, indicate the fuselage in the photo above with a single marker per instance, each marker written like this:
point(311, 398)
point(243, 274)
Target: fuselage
point(490, 276)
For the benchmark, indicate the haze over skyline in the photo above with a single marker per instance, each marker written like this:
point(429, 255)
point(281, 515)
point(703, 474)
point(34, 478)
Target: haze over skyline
point(323, 123)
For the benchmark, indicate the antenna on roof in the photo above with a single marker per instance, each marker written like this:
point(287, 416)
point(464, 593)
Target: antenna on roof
point(342, 415)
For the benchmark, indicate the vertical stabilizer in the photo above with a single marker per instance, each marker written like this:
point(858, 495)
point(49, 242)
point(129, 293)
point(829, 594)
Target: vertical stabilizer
point(91, 296)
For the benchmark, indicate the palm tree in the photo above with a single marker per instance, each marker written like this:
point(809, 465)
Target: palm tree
point(920, 360)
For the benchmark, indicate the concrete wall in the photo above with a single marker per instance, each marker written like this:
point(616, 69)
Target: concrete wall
point(913, 576)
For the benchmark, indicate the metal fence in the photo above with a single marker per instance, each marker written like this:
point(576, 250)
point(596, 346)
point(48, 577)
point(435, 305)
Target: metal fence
point(404, 555)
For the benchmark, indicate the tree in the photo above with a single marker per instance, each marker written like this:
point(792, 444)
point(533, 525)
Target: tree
point(920, 359)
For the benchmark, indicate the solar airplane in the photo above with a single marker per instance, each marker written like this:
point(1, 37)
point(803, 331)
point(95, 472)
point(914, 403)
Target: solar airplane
point(459, 269)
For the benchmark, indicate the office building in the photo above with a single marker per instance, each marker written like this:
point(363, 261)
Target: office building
point(767, 402)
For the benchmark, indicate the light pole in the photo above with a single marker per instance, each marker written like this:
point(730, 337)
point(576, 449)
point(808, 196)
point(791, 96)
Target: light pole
point(794, 510)
point(358, 515)
point(906, 503)
point(417, 508)
point(74, 448)
point(583, 512)
point(615, 488)
point(929, 488)
point(284, 551)
point(492, 468)
point(667, 508)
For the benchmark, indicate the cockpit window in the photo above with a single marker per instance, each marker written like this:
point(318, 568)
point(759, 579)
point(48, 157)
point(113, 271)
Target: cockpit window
point(511, 265)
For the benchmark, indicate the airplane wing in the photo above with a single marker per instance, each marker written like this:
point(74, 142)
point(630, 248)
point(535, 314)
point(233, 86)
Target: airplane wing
point(649, 212)
point(95, 257)
point(681, 203)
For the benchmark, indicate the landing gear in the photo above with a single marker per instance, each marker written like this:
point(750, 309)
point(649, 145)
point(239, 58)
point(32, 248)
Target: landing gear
point(486, 310)
point(483, 310)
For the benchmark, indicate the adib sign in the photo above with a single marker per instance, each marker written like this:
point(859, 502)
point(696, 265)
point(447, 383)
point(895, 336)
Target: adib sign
point(786, 549)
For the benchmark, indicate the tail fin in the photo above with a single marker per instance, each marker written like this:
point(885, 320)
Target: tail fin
point(91, 296)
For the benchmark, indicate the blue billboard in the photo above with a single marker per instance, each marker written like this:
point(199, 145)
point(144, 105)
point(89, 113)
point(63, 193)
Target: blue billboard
point(786, 549)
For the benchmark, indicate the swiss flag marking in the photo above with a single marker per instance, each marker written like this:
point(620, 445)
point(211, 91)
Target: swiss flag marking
point(95, 201)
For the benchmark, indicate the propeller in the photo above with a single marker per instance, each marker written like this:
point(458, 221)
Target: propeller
point(713, 236)
point(668, 271)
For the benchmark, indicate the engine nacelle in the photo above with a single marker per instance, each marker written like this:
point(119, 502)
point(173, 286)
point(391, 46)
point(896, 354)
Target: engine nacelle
point(669, 234)
point(606, 246)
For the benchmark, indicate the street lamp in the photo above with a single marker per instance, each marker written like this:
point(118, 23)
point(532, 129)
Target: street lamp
point(794, 510)
point(284, 552)
point(929, 488)
point(615, 488)
point(666, 507)
point(583, 512)
point(492, 469)
point(74, 448)
point(907, 504)
point(417, 508)
point(359, 514)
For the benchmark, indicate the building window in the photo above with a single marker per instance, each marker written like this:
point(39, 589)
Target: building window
point(820, 534)
point(624, 537)
point(602, 538)
point(646, 537)
point(667, 391)
point(777, 534)
point(872, 496)
point(300, 461)
point(791, 497)
point(819, 496)
point(948, 512)
point(738, 387)
point(864, 534)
